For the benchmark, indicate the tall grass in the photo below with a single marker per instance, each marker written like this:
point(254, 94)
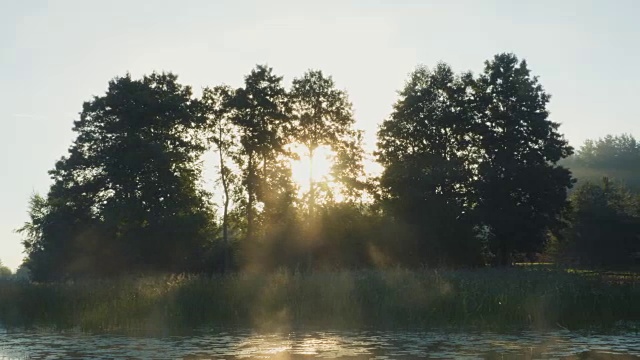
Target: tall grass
point(487, 298)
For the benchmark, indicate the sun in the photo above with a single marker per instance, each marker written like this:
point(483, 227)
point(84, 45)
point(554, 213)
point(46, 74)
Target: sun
point(301, 170)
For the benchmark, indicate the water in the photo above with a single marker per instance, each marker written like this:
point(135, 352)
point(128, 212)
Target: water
point(321, 345)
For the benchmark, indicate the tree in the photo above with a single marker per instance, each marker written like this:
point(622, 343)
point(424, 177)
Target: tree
point(22, 273)
point(323, 116)
point(4, 271)
point(521, 189)
point(347, 169)
point(615, 157)
point(127, 196)
point(260, 111)
point(50, 235)
point(605, 225)
point(222, 134)
point(426, 150)
point(33, 237)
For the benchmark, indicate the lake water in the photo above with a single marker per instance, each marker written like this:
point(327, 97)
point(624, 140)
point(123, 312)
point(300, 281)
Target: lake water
point(321, 345)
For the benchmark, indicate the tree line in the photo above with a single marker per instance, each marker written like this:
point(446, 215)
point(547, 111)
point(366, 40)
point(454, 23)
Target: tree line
point(603, 221)
point(472, 175)
point(4, 271)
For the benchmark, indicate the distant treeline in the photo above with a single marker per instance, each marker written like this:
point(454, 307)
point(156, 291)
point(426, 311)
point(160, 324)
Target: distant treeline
point(615, 157)
point(603, 220)
point(472, 176)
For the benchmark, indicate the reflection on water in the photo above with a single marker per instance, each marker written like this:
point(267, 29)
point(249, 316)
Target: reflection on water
point(327, 345)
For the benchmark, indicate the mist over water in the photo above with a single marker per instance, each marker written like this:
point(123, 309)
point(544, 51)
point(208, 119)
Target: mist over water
point(231, 344)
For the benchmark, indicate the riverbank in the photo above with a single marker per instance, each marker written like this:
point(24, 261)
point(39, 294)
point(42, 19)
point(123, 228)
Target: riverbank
point(536, 298)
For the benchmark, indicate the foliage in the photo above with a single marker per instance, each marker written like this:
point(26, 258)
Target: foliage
point(223, 136)
point(4, 271)
point(605, 225)
point(323, 116)
point(427, 154)
point(463, 153)
point(486, 299)
point(261, 113)
point(127, 195)
point(470, 176)
point(521, 189)
point(614, 157)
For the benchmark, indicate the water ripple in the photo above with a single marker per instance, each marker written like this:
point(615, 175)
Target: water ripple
point(321, 345)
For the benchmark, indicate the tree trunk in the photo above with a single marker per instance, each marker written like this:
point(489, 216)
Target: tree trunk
point(250, 190)
point(225, 213)
point(312, 190)
point(311, 231)
point(504, 256)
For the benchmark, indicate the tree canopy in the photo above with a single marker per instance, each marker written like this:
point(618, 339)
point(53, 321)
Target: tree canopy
point(473, 174)
point(127, 194)
point(616, 157)
point(427, 153)
point(4, 271)
point(605, 225)
point(521, 188)
point(464, 153)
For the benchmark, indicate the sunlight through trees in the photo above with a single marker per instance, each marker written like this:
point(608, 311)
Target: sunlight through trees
point(472, 174)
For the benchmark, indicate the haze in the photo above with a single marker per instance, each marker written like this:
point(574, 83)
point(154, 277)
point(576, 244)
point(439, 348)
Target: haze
point(56, 55)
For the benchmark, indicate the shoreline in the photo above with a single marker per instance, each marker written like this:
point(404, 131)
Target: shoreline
point(489, 299)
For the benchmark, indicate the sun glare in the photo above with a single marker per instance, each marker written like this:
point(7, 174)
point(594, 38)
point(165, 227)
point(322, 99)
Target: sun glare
point(301, 171)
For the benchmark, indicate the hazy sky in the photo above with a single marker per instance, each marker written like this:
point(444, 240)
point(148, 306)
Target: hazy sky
point(57, 54)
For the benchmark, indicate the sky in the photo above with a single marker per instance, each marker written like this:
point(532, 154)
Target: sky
point(54, 55)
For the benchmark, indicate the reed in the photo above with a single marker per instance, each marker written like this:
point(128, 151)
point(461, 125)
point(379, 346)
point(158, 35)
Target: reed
point(483, 298)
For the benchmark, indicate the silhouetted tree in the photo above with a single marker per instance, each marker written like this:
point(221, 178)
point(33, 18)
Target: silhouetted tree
point(427, 152)
point(222, 134)
point(126, 197)
point(323, 116)
point(4, 271)
point(39, 260)
point(521, 189)
point(262, 116)
point(347, 169)
point(462, 156)
point(605, 225)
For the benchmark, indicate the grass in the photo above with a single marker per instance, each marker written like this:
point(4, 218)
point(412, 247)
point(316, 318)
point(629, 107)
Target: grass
point(530, 297)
